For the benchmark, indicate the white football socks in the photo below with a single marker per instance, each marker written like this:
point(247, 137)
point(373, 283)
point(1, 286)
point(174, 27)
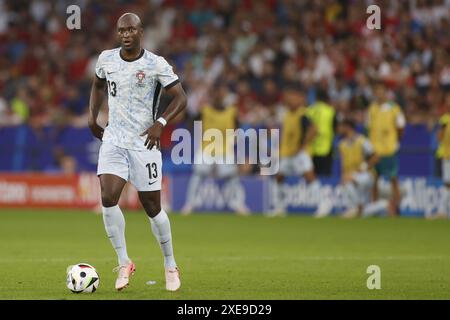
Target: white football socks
point(115, 229)
point(161, 229)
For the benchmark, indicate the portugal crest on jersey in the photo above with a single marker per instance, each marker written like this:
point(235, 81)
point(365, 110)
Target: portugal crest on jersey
point(140, 76)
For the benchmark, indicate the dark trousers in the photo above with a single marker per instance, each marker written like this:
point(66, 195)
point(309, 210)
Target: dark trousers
point(438, 167)
point(323, 165)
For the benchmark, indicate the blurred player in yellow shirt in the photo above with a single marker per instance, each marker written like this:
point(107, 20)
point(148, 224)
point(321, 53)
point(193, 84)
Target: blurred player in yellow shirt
point(358, 159)
point(297, 133)
point(444, 138)
point(386, 124)
point(217, 116)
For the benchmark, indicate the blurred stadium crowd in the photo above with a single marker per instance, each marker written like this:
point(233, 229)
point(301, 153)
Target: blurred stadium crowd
point(250, 50)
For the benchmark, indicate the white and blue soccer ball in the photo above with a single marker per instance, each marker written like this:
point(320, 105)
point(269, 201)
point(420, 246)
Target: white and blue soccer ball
point(82, 277)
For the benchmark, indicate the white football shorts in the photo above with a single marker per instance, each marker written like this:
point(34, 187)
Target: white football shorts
point(296, 165)
point(361, 191)
point(142, 168)
point(364, 180)
point(207, 167)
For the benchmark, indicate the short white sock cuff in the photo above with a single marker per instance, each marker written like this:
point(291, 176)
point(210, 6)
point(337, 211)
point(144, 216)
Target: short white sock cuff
point(160, 218)
point(110, 209)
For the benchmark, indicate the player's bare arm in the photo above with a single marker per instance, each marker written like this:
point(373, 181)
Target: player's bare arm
point(400, 132)
point(310, 134)
point(440, 133)
point(177, 105)
point(95, 103)
point(401, 122)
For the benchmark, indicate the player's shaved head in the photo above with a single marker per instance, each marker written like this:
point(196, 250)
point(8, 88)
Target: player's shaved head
point(129, 18)
point(130, 32)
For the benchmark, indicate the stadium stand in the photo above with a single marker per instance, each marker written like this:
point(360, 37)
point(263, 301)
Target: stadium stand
point(255, 48)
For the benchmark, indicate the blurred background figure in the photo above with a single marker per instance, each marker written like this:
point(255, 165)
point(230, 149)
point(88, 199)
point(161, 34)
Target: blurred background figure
point(216, 117)
point(444, 138)
point(68, 165)
point(297, 134)
point(358, 159)
point(386, 124)
point(324, 118)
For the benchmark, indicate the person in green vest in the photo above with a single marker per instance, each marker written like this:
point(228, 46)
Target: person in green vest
point(323, 116)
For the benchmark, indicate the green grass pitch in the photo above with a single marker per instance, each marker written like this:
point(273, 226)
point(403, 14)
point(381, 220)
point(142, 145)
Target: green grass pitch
point(224, 256)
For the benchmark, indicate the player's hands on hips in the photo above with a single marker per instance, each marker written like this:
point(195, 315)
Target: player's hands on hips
point(153, 135)
point(96, 130)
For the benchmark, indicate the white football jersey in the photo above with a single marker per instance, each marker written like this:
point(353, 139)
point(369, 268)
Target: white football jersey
point(134, 89)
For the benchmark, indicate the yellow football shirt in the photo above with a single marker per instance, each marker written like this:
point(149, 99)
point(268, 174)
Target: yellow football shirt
point(353, 153)
point(219, 119)
point(383, 125)
point(291, 132)
point(445, 142)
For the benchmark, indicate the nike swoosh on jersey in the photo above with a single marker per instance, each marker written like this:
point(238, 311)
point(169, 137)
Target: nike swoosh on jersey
point(150, 183)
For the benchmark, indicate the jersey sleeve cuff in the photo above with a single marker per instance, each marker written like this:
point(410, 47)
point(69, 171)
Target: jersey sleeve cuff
point(170, 85)
point(102, 79)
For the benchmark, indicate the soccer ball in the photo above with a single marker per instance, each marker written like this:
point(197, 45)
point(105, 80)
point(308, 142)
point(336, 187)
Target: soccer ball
point(82, 277)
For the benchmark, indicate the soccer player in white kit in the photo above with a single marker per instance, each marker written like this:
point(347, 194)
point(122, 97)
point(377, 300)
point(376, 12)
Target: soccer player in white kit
point(130, 142)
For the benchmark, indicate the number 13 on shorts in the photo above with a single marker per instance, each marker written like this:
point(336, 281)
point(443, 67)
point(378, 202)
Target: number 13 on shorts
point(141, 168)
point(152, 172)
point(148, 173)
